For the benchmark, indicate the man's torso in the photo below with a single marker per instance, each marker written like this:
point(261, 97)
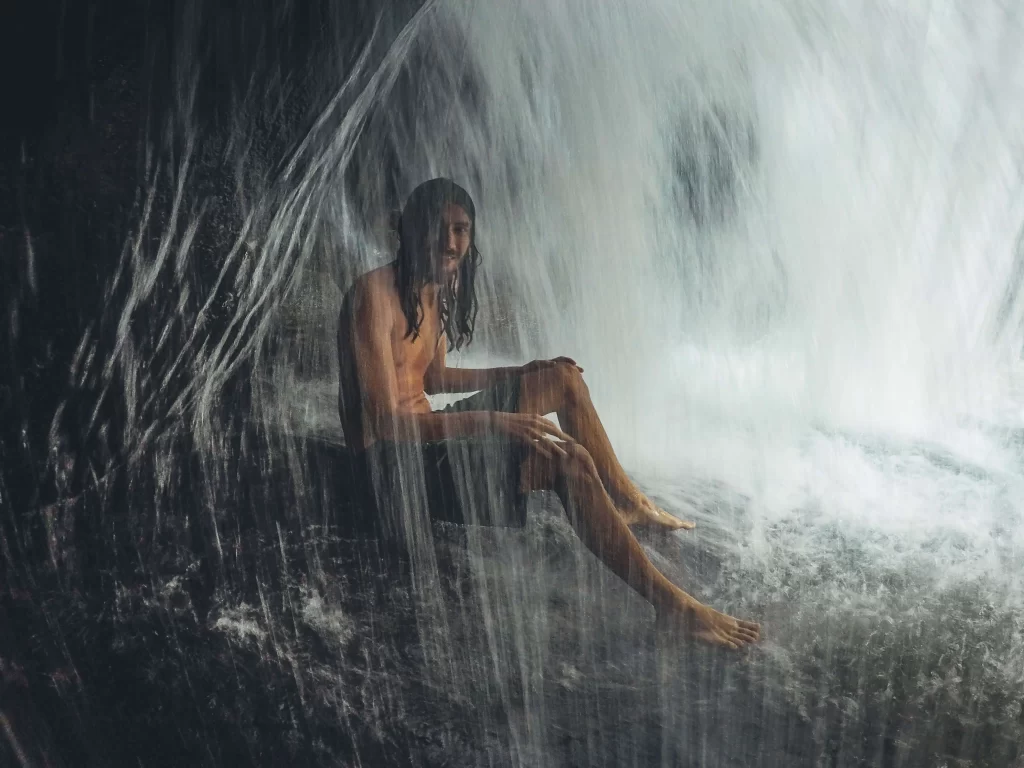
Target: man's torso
point(412, 356)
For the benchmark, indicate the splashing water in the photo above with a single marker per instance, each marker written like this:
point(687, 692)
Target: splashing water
point(783, 241)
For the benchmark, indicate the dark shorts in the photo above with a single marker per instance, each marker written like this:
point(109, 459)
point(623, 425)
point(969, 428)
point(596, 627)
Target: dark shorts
point(469, 481)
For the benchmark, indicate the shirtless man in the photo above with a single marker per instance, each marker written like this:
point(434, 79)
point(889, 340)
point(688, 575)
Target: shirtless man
point(480, 456)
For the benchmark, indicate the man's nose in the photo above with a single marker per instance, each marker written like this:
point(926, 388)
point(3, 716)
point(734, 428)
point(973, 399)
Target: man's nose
point(449, 240)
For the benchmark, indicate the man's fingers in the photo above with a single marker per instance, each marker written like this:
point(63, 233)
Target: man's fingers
point(538, 429)
point(543, 450)
point(554, 431)
point(542, 438)
point(550, 428)
point(552, 363)
point(568, 361)
point(549, 448)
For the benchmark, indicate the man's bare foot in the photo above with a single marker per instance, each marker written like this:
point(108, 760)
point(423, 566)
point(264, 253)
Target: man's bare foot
point(642, 512)
point(709, 626)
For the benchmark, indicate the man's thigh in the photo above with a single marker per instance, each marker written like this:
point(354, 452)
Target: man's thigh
point(503, 397)
point(469, 481)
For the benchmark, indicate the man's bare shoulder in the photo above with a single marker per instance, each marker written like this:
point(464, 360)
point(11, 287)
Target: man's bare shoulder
point(376, 285)
point(373, 294)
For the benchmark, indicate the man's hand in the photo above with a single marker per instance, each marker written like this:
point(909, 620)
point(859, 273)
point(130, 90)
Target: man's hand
point(531, 428)
point(538, 365)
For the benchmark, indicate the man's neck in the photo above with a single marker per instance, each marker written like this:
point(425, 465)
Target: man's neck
point(429, 293)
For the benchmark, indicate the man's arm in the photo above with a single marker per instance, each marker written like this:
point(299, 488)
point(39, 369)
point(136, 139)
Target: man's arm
point(378, 381)
point(441, 378)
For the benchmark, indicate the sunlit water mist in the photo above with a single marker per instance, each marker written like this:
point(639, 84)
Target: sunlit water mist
point(782, 240)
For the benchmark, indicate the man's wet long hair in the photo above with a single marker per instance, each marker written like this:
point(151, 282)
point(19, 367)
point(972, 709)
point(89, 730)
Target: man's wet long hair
point(418, 227)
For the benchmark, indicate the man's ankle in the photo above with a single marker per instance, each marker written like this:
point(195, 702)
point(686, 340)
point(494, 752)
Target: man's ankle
point(676, 602)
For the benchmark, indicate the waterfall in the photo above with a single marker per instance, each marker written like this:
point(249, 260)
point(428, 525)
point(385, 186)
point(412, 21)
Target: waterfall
point(784, 240)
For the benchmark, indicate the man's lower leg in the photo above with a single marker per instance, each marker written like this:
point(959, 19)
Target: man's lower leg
point(593, 515)
point(569, 398)
point(597, 523)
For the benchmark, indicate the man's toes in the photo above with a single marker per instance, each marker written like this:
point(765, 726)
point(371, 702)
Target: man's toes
point(674, 521)
point(751, 629)
point(722, 638)
point(740, 639)
point(714, 638)
point(671, 521)
point(725, 642)
point(747, 635)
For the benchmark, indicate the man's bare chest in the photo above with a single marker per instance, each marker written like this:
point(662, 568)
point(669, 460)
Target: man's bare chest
point(413, 356)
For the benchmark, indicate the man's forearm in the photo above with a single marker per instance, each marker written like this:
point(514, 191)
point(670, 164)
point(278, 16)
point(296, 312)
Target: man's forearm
point(472, 379)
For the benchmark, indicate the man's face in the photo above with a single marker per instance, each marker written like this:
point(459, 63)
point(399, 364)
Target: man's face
point(455, 238)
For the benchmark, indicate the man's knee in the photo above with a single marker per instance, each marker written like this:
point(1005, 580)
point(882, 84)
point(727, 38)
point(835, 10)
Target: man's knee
point(578, 464)
point(554, 387)
point(541, 470)
point(570, 383)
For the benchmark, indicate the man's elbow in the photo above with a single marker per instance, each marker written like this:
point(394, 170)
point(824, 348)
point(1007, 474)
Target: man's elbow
point(433, 384)
point(397, 424)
